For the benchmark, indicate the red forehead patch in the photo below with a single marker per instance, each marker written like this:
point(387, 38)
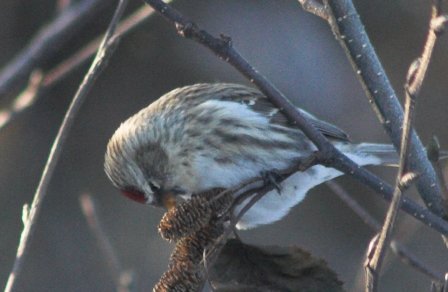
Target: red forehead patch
point(134, 195)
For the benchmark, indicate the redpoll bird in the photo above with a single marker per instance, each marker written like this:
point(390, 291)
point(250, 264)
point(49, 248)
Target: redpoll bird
point(208, 136)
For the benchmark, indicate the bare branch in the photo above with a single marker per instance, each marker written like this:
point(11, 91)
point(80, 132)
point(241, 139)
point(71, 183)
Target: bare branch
point(348, 28)
point(24, 100)
point(46, 43)
point(404, 253)
point(126, 26)
point(331, 157)
point(123, 280)
point(33, 92)
point(344, 196)
point(104, 53)
point(415, 77)
point(433, 150)
point(382, 241)
point(409, 258)
point(436, 25)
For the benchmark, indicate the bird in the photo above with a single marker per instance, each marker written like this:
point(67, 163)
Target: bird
point(217, 135)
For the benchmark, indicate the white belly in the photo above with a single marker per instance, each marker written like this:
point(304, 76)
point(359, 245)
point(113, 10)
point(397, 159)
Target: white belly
point(274, 206)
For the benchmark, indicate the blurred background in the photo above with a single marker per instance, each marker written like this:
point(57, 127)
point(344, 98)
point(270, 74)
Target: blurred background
point(293, 49)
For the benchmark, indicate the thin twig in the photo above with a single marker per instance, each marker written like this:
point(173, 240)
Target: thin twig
point(331, 156)
point(373, 265)
point(23, 100)
point(433, 150)
point(346, 25)
point(255, 195)
point(415, 77)
point(47, 41)
point(411, 259)
point(126, 26)
point(250, 190)
point(399, 249)
point(69, 65)
point(104, 53)
point(89, 210)
point(445, 285)
point(344, 196)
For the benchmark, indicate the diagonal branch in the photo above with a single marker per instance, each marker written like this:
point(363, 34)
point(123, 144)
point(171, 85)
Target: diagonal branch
point(399, 249)
point(123, 279)
point(415, 77)
point(36, 89)
point(46, 43)
point(31, 215)
point(222, 47)
point(348, 28)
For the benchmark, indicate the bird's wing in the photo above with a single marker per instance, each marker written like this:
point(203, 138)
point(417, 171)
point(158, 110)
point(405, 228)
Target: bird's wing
point(259, 103)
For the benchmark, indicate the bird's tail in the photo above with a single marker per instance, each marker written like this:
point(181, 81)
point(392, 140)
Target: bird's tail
point(376, 154)
point(370, 153)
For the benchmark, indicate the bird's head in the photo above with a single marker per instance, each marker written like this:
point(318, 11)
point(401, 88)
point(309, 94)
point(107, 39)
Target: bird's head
point(138, 164)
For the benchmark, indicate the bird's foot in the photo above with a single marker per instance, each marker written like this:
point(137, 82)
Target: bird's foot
point(272, 177)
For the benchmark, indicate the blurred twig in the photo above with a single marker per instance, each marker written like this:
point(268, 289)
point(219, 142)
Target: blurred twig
point(104, 53)
point(331, 157)
point(35, 89)
point(127, 25)
point(411, 259)
point(440, 287)
point(123, 279)
point(347, 27)
point(445, 285)
point(433, 150)
point(23, 100)
point(404, 254)
point(47, 42)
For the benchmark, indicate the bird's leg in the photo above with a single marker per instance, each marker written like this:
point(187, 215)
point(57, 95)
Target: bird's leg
point(273, 177)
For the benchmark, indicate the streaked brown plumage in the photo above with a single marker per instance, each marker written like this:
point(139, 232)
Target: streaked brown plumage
point(208, 136)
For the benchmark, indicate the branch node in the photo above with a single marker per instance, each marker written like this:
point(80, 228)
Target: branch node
point(25, 214)
point(412, 72)
point(187, 30)
point(438, 24)
point(407, 180)
point(371, 249)
point(316, 8)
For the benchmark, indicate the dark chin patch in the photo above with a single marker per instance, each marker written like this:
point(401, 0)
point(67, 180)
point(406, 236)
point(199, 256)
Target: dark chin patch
point(134, 195)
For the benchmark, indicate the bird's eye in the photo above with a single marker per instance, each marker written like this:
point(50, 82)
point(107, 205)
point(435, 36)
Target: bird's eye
point(134, 195)
point(154, 187)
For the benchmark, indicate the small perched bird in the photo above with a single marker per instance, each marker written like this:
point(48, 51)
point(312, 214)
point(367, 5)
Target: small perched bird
point(207, 136)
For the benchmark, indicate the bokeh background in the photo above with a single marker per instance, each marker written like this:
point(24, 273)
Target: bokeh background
point(295, 50)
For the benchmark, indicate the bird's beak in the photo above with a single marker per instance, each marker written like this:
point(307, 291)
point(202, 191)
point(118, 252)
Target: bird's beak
point(165, 199)
point(168, 200)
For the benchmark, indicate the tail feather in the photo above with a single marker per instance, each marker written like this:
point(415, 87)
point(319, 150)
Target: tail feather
point(371, 153)
point(386, 153)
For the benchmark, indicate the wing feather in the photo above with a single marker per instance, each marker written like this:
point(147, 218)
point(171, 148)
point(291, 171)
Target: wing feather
point(259, 103)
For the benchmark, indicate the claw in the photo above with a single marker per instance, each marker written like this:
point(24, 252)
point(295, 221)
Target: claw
point(272, 177)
